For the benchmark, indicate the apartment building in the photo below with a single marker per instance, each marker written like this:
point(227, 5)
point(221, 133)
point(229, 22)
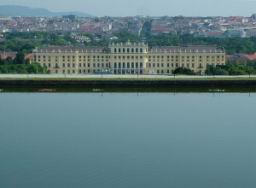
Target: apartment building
point(128, 58)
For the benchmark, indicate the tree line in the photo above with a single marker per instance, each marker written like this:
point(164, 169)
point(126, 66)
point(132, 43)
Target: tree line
point(20, 65)
point(231, 68)
point(28, 41)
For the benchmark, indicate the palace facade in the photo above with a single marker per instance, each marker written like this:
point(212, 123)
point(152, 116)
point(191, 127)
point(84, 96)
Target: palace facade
point(128, 58)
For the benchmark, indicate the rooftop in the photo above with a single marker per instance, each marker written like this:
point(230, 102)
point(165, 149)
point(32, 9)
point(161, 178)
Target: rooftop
point(164, 49)
point(70, 49)
point(189, 49)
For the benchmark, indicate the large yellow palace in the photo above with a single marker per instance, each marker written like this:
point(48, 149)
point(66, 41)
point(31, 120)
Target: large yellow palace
point(128, 58)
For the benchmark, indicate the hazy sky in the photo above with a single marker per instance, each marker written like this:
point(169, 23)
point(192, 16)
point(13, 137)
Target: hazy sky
point(145, 7)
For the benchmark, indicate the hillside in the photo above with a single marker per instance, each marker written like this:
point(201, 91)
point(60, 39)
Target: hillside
point(13, 10)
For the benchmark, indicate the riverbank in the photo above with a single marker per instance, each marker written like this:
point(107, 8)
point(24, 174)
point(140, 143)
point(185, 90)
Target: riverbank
point(125, 81)
point(118, 77)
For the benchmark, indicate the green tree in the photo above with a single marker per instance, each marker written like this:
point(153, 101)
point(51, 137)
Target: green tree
point(185, 71)
point(1, 61)
point(20, 58)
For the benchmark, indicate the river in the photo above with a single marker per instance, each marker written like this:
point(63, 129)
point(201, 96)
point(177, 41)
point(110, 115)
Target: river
point(127, 140)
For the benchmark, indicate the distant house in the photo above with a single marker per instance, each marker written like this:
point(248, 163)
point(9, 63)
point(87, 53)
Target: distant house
point(29, 57)
point(242, 58)
point(6, 55)
point(214, 34)
point(251, 57)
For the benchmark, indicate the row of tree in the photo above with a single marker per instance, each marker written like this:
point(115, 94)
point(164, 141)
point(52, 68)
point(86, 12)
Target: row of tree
point(28, 41)
point(232, 69)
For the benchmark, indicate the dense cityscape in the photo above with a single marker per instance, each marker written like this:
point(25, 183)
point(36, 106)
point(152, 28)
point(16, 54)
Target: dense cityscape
point(235, 26)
